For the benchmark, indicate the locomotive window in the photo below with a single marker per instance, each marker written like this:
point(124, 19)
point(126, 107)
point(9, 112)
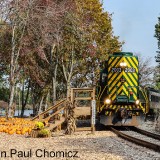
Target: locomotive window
point(155, 98)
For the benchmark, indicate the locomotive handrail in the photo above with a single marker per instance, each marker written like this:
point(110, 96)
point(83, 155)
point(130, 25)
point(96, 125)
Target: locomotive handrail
point(99, 92)
point(102, 92)
point(145, 96)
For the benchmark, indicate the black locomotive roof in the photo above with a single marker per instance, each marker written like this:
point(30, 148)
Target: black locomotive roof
point(153, 90)
point(122, 54)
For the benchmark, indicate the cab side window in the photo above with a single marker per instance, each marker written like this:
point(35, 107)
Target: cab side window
point(155, 98)
point(104, 75)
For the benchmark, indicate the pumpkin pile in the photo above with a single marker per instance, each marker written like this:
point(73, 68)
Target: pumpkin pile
point(16, 125)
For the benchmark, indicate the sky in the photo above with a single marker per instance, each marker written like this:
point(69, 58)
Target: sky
point(134, 22)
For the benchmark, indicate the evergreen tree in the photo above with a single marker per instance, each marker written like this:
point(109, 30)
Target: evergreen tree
point(157, 35)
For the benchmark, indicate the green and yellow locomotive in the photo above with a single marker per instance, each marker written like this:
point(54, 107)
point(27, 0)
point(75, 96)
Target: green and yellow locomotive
point(119, 94)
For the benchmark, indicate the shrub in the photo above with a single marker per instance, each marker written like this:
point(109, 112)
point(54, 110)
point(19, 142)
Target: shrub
point(44, 133)
point(39, 125)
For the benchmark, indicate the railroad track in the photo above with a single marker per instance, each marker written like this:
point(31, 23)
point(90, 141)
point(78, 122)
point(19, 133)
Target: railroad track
point(138, 141)
point(149, 134)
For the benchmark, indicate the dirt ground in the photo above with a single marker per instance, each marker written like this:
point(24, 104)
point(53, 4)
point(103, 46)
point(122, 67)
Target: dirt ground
point(103, 145)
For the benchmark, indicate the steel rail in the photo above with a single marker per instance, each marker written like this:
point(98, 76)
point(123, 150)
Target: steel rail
point(149, 134)
point(140, 142)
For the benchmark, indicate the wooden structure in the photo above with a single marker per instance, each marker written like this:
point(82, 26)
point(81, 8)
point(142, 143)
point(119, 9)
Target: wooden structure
point(54, 116)
point(84, 94)
point(66, 110)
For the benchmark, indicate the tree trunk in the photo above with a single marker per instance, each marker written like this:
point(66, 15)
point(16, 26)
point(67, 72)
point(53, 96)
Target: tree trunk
point(68, 76)
point(54, 84)
point(68, 89)
point(12, 76)
point(54, 78)
point(10, 107)
point(40, 105)
point(19, 103)
point(46, 104)
point(24, 100)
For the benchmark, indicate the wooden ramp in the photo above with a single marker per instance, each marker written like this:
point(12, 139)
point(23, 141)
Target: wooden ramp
point(54, 115)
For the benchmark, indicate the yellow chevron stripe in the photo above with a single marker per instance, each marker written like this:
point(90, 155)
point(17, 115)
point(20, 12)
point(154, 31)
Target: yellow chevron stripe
point(114, 83)
point(113, 63)
point(120, 90)
point(113, 77)
point(135, 60)
point(101, 108)
point(117, 65)
point(110, 60)
point(133, 65)
point(133, 79)
point(130, 60)
point(106, 113)
point(126, 106)
point(113, 94)
point(130, 107)
point(114, 107)
point(124, 89)
point(116, 76)
point(142, 107)
point(128, 81)
point(114, 89)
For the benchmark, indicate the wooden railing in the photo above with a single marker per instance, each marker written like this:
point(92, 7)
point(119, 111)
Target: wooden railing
point(57, 108)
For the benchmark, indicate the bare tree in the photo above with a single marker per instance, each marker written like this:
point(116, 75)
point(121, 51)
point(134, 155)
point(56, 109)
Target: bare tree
point(15, 14)
point(145, 71)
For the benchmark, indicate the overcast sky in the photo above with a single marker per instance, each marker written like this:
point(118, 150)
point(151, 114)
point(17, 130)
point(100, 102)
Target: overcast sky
point(134, 21)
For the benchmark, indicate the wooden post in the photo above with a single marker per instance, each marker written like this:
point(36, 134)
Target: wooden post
point(93, 112)
point(72, 95)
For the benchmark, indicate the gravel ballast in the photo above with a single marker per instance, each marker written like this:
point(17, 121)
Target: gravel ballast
point(103, 145)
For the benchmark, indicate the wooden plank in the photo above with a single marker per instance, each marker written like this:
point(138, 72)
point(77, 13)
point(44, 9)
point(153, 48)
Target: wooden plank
point(83, 129)
point(72, 95)
point(50, 108)
point(47, 118)
point(83, 98)
point(94, 93)
point(57, 123)
point(82, 89)
point(79, 111)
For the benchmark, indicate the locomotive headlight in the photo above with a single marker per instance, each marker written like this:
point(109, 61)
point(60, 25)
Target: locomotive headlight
point(123, 64)
point(137, 102)
point(107, 101)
